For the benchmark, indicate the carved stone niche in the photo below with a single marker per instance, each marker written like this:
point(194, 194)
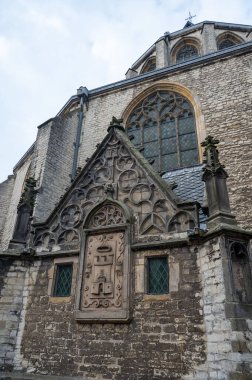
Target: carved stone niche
point(241, 272)
point(104, 282)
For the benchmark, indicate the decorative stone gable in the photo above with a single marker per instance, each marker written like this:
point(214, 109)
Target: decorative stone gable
point(116, 171)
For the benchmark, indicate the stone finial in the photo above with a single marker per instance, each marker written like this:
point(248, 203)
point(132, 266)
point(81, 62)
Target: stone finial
point(215, 177)
point(115, 123)
point(211, 155)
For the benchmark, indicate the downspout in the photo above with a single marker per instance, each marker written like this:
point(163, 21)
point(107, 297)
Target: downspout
point(82, 93)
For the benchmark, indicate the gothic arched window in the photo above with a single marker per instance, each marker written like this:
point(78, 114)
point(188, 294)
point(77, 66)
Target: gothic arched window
point(186, 52)
point(164, 125)
point(149, 65)
point(226, 44)
point(227, 40)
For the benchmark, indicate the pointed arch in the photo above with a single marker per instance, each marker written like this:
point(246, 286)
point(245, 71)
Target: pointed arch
point(122, 214)
point(149, 65)
point(180, 90)
point(190, 47)
point(104, 283)
point(228, 39)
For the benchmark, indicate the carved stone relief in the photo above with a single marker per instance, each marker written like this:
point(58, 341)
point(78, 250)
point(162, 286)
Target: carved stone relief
point(180, 222)
point(241, 272)
point(107, 215)
point(104, 281)
point(103, 271)
point(114, 174)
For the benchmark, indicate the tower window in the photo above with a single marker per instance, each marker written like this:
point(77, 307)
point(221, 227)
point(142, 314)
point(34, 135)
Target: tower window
point(226, 44)
point(226, 40)
point(163, 124)
point(63, 280)
point(157, 275)
point(186, 52)
point(149, 65)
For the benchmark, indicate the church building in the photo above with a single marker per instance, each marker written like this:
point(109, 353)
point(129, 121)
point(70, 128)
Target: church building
point(125, 229)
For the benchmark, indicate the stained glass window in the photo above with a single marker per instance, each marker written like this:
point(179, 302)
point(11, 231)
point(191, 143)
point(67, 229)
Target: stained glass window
point(226, 44)
point(63, 280)
point(186, 52)
point(164, 125)
point(158, 275)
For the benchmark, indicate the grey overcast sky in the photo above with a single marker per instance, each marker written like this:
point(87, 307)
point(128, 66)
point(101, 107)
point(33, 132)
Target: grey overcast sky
point(49, 48)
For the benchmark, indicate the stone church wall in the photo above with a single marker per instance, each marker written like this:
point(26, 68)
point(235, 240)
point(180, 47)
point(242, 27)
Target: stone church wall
point(222, 91)
point(53, 163)
point(187, 334)
point(12, 276)
point(6, 189)
point(11, 207)
point(164, 338)
point(228, 337)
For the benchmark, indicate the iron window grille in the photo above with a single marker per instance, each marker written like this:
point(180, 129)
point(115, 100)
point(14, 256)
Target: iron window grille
point(63, 280)
point(164, 125)
point(157, 276)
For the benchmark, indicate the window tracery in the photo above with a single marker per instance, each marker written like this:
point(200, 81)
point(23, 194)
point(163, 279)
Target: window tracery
point(163, 124)
point(186, 52)
point(226, 40)
point(226, 44)
point(149, 65)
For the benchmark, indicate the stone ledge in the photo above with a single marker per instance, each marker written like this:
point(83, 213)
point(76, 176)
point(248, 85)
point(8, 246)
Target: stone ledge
point(26, 376)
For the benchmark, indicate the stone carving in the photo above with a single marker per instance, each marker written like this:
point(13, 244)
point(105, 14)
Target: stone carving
point(103, 271)
point(71, 216)
point(25, 209)
point(241, 272)
point(107, 215)
point(115, 173)
point(181, 222)
point(214, 176)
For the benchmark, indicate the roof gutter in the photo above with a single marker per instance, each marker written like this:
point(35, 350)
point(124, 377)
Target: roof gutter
point(159, 73)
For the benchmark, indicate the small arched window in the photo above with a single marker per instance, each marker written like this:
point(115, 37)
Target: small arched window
point(227, 40)
point(164, 125)
point(149, 65)
point(226, 44)
point(186, 52)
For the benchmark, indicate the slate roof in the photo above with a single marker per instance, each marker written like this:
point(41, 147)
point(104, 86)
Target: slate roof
point(189, 185)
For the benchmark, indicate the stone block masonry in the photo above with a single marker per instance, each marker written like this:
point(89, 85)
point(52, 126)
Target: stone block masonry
point(11, 207)
point(223, 93)
point(165, 337)
point(12, 276)
point(56, 166)
point(6, 189)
